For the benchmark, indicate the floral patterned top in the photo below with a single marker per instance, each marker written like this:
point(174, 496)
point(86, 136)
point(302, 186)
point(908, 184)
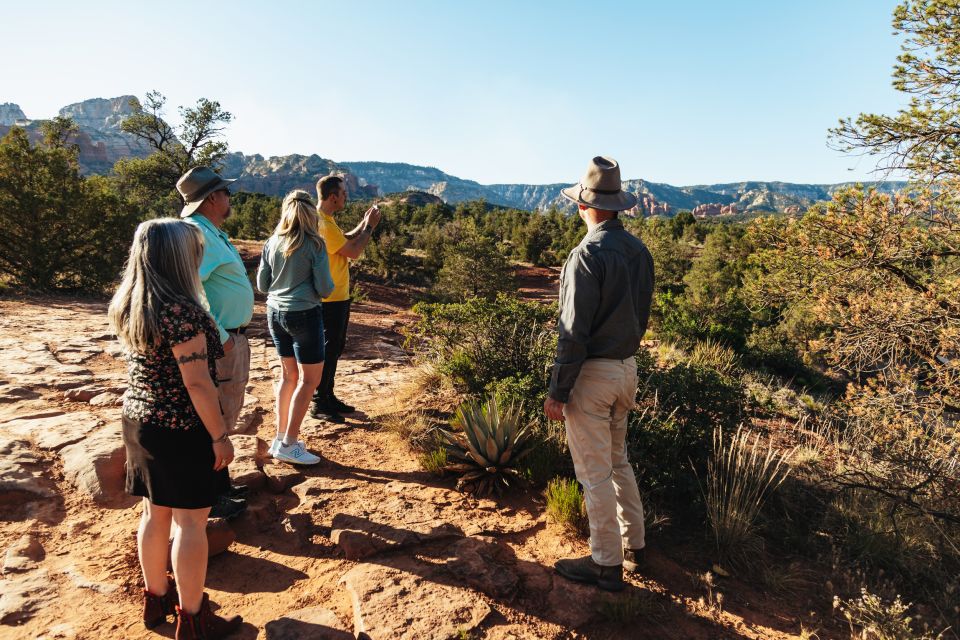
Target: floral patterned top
point(156, 394)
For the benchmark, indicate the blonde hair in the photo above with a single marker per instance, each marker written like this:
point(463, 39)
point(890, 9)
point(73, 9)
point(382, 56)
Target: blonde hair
point(298, 221)
point(163, 268)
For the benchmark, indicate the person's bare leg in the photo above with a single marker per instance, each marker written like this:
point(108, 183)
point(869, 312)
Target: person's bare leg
point(309, 378)
point(289, 375)
point(190, 556)
point(153, 544)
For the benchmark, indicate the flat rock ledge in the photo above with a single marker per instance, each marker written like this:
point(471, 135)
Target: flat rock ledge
point(408, 600)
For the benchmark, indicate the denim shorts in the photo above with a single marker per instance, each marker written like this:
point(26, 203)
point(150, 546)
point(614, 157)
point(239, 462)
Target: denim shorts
point(297, 334)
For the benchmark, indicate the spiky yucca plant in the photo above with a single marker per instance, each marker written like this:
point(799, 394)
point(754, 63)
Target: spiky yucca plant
point(489, 442)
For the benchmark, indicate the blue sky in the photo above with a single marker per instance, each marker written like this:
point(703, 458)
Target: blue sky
point(524, 92)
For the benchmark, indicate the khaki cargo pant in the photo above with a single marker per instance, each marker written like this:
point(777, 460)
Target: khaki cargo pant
point(596, 419)
point(233, 371)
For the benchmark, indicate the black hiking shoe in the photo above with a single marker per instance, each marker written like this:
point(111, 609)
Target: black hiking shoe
point(228, 508)
point(327, 413)
point(587, 571)
point(340, 406)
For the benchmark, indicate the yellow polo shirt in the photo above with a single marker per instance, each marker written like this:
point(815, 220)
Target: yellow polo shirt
point(339, 266)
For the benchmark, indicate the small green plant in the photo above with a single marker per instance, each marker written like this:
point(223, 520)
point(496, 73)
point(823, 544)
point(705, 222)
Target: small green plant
point(740, 477)
point(489, 443)
point(633, 606)
point(870, 618)
point(565, 505)
point(434, 461)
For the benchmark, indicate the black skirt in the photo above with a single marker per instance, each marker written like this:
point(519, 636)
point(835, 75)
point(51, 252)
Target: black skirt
point(172, 467)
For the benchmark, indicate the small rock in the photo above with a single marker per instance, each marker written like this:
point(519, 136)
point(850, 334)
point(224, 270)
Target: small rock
point(315, 623)
point(106, 399)
point(23, 555)
point(95, 466)
point(82, 394)
point(281, 477)
point(219, 536)
point(486, 564)
point(249, 455)
point(410, 600)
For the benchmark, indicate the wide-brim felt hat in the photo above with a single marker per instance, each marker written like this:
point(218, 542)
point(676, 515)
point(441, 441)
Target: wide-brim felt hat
point(195, 185)
point(600, 187)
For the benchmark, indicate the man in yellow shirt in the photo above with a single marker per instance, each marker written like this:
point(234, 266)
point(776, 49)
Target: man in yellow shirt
point(342, 248)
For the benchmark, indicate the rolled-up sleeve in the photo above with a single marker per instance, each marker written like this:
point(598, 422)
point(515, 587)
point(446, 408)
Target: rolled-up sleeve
point(322, 280)
point(264, 272)
point(579, 300)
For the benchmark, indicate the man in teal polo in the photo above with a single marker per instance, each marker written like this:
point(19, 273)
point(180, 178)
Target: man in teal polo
point(206, 198)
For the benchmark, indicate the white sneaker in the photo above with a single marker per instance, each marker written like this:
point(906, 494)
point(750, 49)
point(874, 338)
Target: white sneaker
point(278, 442)
point(295, 454)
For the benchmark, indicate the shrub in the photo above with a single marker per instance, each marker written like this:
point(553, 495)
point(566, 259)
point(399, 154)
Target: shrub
point(878, 620)
point(679, 407)
point(740, 477)
point(565, 505)
point(483, 345)
point(60, 230)
point(473, 267)
point(490, 442)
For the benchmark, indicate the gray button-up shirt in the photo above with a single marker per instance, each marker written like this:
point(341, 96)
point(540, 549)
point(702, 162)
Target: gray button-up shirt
point(605, 294)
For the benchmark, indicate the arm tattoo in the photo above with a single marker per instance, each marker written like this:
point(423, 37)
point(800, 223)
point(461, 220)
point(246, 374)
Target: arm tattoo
point(196, 355)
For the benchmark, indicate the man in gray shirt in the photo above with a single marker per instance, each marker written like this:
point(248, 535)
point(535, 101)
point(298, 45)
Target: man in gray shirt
point(605, 294)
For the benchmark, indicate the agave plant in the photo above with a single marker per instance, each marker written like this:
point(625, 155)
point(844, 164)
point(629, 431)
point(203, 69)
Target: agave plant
point(489, 441)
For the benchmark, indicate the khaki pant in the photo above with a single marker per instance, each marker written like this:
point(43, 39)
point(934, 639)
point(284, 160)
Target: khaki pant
point(596, 418)
point(233, 371)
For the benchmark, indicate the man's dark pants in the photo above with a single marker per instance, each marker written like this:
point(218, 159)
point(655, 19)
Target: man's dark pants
point(336, 315)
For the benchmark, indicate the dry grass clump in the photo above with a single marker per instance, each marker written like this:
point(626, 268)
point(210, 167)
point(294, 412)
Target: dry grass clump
point(740, 477)
point(716, 356)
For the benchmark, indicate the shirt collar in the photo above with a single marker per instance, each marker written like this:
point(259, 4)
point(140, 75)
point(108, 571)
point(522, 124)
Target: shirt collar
point(204, 221)
point(607, 225)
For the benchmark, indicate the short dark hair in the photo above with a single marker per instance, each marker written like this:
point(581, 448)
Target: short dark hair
point(329, 186)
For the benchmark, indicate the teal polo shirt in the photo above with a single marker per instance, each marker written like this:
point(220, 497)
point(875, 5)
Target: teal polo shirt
point(224, 278)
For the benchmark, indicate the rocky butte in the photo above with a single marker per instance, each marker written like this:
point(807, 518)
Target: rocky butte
point(102, 143)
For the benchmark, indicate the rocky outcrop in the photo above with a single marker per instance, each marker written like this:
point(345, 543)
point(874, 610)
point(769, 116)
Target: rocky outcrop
point(714, 209)
point(95, 467)
point(11, 113)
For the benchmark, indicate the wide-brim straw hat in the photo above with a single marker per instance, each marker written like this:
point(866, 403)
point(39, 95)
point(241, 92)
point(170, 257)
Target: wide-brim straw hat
point(198, 183)
point(600, 187)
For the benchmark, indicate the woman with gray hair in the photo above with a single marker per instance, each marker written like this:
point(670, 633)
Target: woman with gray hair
point(295, 274)
point(176, 442)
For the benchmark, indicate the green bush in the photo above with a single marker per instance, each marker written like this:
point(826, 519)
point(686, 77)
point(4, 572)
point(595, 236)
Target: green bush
point(482, 345)
point(60, 230)
point(679, 407)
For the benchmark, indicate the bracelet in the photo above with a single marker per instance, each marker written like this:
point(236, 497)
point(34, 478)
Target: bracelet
point(222, 438)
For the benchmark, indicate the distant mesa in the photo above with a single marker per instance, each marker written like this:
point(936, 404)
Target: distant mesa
point(412, 198)
point(102, 143)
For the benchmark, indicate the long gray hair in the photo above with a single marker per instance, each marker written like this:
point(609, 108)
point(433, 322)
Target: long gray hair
point(163, 268)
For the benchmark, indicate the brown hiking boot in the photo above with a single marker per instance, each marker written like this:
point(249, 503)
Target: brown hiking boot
point(157, 608)
point(589, 572)
point(634, 560)
point(204, 624)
